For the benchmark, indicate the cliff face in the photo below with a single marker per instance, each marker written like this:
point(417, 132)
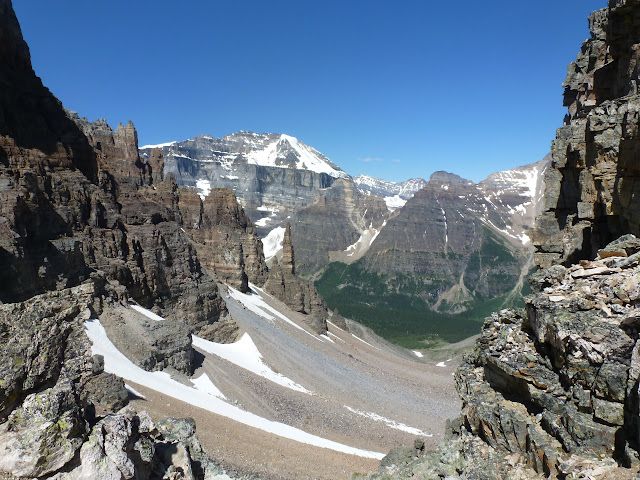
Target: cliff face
point(552, 390)
point(80, 234)
point(297, 293)
point(593, 184)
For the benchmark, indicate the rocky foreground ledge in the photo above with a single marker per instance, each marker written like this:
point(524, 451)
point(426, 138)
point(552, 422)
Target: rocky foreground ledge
point(550, 391)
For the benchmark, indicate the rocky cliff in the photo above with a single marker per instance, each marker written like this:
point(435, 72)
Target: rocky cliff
point(455, 248)
point(279, 179)
point(297, 293)
point(85, 227)
point(592, 185)
point(552, 390)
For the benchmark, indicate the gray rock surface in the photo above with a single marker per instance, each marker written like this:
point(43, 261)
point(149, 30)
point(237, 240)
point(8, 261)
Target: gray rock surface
point(326, 209)
point(150, 344)
point(551, 390)
point(43, 434)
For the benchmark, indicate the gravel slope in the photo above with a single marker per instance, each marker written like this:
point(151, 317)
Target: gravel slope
point(392, 397)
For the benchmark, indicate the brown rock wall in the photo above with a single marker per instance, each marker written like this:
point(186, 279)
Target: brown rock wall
point(593, 184)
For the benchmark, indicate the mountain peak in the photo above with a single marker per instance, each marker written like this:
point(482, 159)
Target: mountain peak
point(445, 178)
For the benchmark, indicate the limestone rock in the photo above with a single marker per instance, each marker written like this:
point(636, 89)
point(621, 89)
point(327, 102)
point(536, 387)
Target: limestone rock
point(297, 293)
point(225, 238)
point(36, 337)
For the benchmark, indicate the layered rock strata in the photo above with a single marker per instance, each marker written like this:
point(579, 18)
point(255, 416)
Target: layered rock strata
point(594, 180)
point(224, 237)
point(297, 293)
point(84, 226)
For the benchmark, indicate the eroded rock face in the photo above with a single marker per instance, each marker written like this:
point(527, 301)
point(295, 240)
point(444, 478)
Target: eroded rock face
point(297, 293)
point(594, 180)
point(224, 237)
point(157, 344)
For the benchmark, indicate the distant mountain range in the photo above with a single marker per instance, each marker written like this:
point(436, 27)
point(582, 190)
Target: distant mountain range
point(447, 245)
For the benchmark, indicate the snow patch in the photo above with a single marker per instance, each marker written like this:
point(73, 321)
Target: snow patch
point(115, 362)
point(395, 202)
point(418, 354)
point(134, 392)
point(146, 313)
point(245, 354)
point(364, 341)
point(203, 187)
point(159, 145)
point(204, 384)
point(335, 326)
point(389, 423)
point(257, 305)
point(272, 243)
point(362, 245)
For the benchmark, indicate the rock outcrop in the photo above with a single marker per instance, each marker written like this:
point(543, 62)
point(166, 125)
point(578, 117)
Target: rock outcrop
point(278, 179)
point(552, 390)
point(224, 237)
point(134, 232)
point(85, 224)
point(297, 293)
point(593, 185)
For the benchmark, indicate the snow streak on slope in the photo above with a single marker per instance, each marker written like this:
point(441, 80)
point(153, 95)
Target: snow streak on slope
point(389, 423)
point(159, 145)
point(245, 354)
point(204, 384)
point(147, 313)
point(115, 362)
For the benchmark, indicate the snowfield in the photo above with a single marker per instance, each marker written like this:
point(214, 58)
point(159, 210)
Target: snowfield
point(115, 362)
point(245, 354)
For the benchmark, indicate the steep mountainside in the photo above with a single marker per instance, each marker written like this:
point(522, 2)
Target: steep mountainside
point(79, 236)
point(453, 247)
point(552, 391)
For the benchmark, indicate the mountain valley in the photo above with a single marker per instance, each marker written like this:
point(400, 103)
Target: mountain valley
point(431, 258)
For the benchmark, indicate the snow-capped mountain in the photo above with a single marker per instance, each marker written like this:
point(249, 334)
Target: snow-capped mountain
point(278, 179)
point(334, 217)
point(231, 152)
point(518, 195)
point(395, 194)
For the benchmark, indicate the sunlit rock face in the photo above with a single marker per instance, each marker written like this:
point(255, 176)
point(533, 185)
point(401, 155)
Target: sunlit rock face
point(593, 184)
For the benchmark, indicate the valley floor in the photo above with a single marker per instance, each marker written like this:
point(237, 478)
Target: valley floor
point(357, 391)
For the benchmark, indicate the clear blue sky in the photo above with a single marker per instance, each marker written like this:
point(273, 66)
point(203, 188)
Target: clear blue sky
point(392, 89)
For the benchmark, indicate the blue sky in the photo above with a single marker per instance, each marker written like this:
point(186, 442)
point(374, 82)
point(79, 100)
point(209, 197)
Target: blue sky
point(392, 89)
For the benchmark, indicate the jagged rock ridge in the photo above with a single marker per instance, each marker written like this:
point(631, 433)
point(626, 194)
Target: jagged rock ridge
point(279, 179)
point(592, 184)
point(86, 226)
